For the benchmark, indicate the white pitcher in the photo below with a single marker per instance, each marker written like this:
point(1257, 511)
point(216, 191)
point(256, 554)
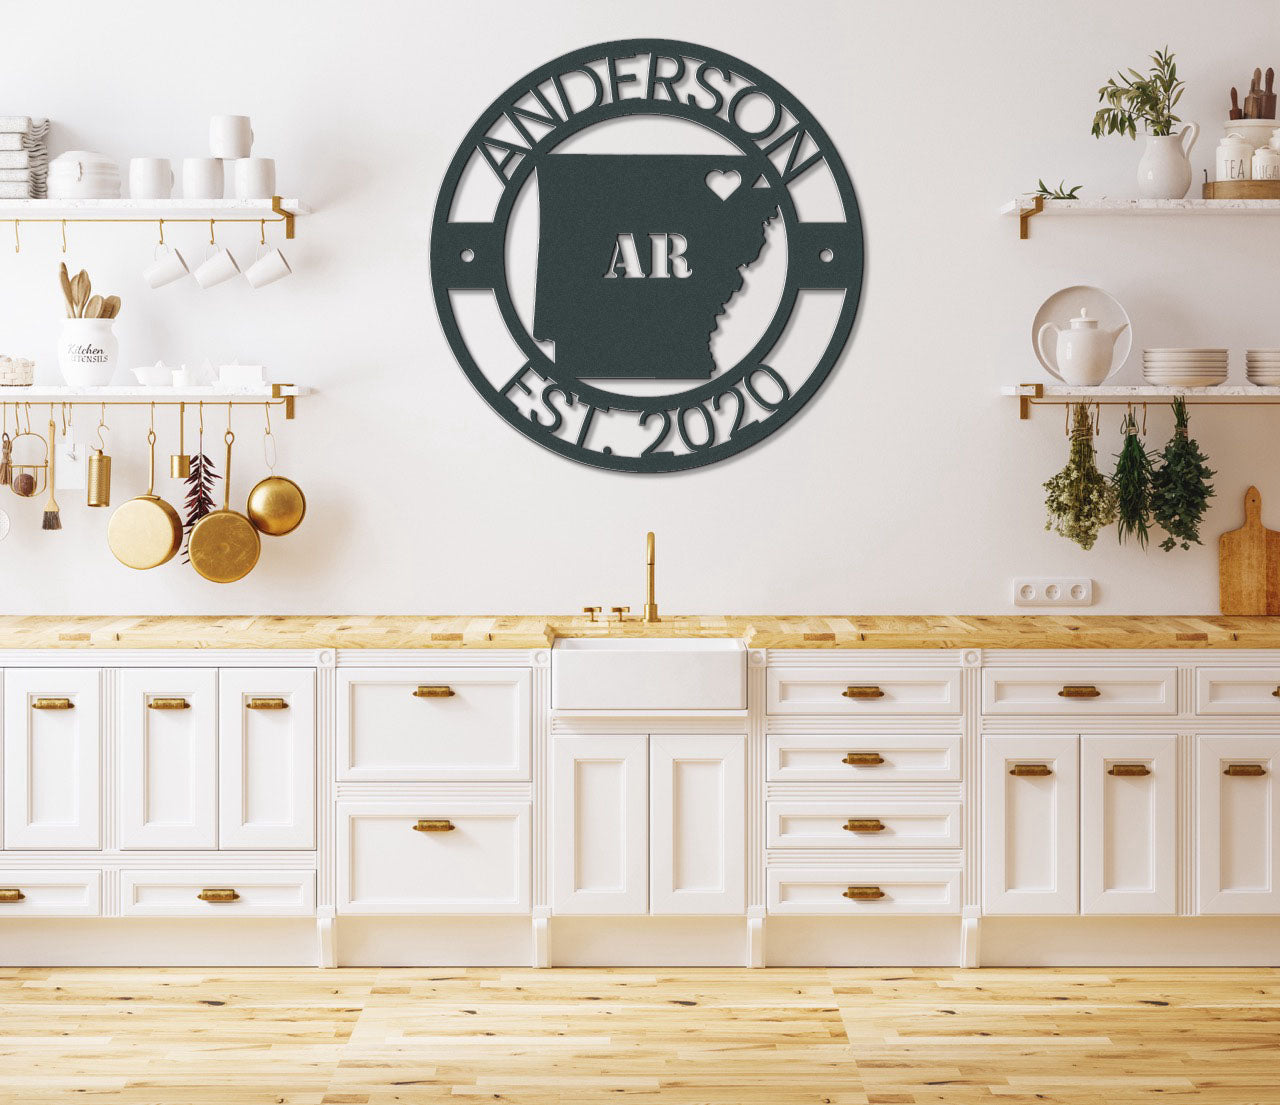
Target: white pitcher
point(1164, 173)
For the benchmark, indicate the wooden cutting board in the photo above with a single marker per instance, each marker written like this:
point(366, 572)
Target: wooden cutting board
point(1249, 564)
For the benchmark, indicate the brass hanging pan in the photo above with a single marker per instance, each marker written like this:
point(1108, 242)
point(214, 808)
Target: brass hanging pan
point(145, 532)
point(276, 504)
point(224, 546)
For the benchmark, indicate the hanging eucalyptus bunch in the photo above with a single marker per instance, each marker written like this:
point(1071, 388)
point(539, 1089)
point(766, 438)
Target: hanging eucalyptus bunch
point(1132, 481)
point(1080, 500)
point(1180, 490)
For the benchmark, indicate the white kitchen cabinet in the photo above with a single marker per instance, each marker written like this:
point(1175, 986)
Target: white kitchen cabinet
point(50, 893)
point(600, 824)
point(267, 752)
point(52, 758)
point(168, 757)
point(863, 889)
point(861, 823)
point(1079, 691)
point(1031, 820)
point(1128, 824)
point(863, 691)
point(863, 758)
point(217, 893)
point(697, 845)
point(1238, 824)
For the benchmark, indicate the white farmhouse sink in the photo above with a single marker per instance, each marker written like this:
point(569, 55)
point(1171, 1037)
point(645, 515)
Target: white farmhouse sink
point(648, 673)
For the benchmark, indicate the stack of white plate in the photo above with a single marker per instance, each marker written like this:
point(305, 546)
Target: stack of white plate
point(1262, 367)
point(1185, 368)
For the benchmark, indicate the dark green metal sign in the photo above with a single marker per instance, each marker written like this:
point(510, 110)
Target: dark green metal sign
point(603, 347)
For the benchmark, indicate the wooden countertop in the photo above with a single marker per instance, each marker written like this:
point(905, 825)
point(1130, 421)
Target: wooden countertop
point(531, 631)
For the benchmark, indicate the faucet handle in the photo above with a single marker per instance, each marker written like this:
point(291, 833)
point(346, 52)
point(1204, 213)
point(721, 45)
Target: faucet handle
point(620, 610)
point(592, 610)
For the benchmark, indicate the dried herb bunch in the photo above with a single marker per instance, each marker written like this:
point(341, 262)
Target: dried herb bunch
point(1180, 490)
point(199, 501)
point(1132, 481)
point(1080, 500)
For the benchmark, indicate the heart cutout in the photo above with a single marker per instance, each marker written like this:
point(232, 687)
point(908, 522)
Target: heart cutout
point(724, 184)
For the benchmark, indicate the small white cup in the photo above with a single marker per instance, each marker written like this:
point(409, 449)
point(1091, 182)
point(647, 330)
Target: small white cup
point(267, 269)
point(216, 268)
point(201, 178)
point(150, 178)
point(166, 268)
point(181, 377)
point(255, 178)
point(230, 136)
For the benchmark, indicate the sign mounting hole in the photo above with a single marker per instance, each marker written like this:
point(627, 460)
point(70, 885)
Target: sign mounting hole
point(826, 256)
point(468, 255)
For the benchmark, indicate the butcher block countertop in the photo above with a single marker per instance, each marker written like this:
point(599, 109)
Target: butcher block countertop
point(532, 631)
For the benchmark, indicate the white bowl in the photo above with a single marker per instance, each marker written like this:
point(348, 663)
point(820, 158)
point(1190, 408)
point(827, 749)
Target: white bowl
point(154, 375)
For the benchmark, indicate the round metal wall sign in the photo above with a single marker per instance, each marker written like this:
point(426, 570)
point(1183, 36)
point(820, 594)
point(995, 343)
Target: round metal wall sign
point(602, 285)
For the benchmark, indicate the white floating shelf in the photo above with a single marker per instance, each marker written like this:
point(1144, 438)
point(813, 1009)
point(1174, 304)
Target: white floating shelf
point(136, 395)
point(1034, 395)
point(276, 209)
point(1028, 207)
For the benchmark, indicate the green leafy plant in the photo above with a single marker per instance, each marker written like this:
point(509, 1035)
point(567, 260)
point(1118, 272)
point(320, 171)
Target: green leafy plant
point(1132, 481)
point(1080, 500)
point(1180, 487)
point(1062, 192)
point(1134, 98)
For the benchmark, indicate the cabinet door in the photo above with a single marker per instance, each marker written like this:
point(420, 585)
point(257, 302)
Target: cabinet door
point(600, 825)
point(52, 758)
point(1238, 828)
point(168, 758)
point(1031, 824)
point(697, 824)
point(267, 724)
point(1128, 824)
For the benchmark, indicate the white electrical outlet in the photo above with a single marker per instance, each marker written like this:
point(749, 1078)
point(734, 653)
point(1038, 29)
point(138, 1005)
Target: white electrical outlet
point(1052, 591)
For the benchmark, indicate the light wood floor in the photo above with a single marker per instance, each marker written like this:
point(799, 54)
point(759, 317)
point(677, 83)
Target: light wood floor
point(776, 1037)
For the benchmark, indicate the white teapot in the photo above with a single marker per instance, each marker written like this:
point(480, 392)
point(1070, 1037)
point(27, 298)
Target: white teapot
point(1082, 355)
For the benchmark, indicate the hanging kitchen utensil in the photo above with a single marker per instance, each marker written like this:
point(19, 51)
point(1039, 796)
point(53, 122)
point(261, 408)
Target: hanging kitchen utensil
point(276, 504)
point(52, 515)
point(224, 546)
point(98, 491)
point(6, 447)
point(27, 475)
point(180, 462)
point(1249, 564)
point(145, 532)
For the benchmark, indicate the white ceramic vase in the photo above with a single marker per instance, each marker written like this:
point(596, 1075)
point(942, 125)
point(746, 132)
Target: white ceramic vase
point(1164, 173)
point(87, 350)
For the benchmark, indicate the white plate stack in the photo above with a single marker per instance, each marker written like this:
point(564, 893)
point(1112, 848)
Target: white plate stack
point(1262, 367)
point(1185, 368)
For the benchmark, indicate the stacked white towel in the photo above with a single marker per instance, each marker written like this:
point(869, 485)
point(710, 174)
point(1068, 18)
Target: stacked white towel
point(24, 157)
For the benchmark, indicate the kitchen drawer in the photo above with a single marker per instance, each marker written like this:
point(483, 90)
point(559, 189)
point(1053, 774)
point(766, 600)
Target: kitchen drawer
point(890, 890)
point(1238, 691)
point(50, 894)
point(225, 893)
point(863, 758)
point(864, 691)
point(861, 823)
point(1079, 692)
point(434, 724)
point(479, 865)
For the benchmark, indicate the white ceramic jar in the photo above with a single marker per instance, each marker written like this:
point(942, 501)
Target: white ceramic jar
point(1266, 164)
point(1234, 158)
point(87, 352)
point(1164, 173)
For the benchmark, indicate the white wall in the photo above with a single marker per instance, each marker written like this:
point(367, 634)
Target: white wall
point(907, 485)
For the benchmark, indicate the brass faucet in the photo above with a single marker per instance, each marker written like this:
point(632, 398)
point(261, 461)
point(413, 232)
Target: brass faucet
point(650, 603)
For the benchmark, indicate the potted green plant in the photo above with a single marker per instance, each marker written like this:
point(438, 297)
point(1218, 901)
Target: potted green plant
point(1165, 169)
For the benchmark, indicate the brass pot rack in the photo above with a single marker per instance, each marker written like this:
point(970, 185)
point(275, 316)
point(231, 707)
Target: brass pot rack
point(273, 395)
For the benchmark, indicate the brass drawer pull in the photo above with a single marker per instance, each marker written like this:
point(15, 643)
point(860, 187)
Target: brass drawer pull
point(863, 759)
point(1031, 771)
point(11, 894)
point(53, 704)
point(1276, 693)
point(1079, 690)
point(1128, 770)
point(433, 692)
point(218, 894)
point(434, 825)
point(864, 893)
point(266, 704)
point(864, 825)
point(870, 691)
point(168, 704)
point(1248, 770)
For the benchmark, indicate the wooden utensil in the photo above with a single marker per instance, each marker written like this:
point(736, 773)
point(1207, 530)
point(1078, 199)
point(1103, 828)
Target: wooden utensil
point(1269, 96)
point(145, 532)
point(93, 309)
point(64, 279)
point(110, 307)
point(52, 516)
point(1253, 101)
point(1249, 564)
point(224, 546)
point(80, 289)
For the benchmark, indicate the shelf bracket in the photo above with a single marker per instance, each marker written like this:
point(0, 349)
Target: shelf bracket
point(1026, 393)
point(276, 393)
point(287, 216)
point(1025, 215)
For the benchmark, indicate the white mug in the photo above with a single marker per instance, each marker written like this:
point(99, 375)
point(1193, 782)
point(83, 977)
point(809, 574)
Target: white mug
point(267, 269)
point(166, 269)
point(255, 178)
point(216, 268)
point(230, 136)
point(150, 178)
point(201, 178)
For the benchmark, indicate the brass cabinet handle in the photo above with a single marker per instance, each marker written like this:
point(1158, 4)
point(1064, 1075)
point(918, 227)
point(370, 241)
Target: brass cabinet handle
point(434, 825)
point(864, 825)
point(218, 894)
point(266, 704)
point(11, 894)
point(433, 692)
point(862, 759)
point(864, 893)
point(1125, 770)
point(168, 704)
point(1248, 770)
point(53, 704)
point(869, 691)
point(1079, 690)
point(1033, 771)
point(1276, 693)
